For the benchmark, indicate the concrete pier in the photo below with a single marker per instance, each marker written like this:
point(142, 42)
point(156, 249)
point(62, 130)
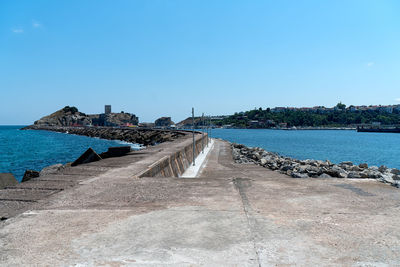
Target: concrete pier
point(109, 213)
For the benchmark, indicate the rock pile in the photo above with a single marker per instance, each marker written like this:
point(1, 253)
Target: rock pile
point(313, 168)
point(144, 137)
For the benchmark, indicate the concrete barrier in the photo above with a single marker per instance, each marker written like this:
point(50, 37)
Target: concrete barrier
point(174, 165)
point(7, 179)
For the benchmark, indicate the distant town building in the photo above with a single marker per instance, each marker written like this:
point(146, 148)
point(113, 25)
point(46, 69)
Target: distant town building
point(107, 109)
point(323, 110)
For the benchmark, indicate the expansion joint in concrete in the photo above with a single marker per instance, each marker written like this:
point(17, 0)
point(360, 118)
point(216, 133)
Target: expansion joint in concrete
point(240, 185)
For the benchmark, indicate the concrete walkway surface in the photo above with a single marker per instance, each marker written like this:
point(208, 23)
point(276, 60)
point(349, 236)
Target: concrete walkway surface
point(231, 215)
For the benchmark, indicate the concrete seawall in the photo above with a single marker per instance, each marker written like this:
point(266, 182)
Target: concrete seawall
point(168, 159)
point(174, 165)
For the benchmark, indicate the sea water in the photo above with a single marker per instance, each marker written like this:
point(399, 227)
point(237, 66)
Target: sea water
point(335, 145)
point(32, 149)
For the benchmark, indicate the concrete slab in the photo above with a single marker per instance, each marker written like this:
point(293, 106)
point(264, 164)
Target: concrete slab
point(24, 194)
point(44, 184)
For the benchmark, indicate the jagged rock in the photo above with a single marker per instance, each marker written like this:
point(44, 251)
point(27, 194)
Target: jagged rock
point(367, 173)
point(363, 165)
point(263, 161)
point(374, 168)
point(353, 174)
point(364, 174)
point(395, 171)
point(396, 177)
point(355, 168)
point(286, 168)
point(324, 175)
point(312, 170)
point(299, 175)
point(256, 156)
point(383, 168)
point(336, 171)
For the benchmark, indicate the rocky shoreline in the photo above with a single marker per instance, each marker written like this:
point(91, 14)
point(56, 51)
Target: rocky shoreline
point(145, 137)
point(313, 168)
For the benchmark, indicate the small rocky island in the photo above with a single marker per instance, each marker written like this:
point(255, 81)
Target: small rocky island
point(113, 126)
point(71, 116)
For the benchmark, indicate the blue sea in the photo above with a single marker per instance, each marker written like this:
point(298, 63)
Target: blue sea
point(335, 145)
point(31, 149)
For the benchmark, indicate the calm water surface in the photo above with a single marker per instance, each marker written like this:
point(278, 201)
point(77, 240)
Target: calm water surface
point(30, 149)
point(334, 145)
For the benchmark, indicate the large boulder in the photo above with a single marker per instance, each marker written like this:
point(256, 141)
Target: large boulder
point(299, 175)
point(363, 165)
point(336, 171)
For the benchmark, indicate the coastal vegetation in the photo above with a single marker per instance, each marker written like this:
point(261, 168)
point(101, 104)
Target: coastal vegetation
point(338, 116)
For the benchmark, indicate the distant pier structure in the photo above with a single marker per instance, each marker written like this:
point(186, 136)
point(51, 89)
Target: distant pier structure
point(107, 109)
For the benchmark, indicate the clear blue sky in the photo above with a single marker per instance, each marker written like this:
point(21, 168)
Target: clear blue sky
point(160, 58)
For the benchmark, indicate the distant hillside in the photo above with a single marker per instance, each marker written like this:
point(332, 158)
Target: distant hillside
point(70, 116)
point(187, 123)
point(337, 116)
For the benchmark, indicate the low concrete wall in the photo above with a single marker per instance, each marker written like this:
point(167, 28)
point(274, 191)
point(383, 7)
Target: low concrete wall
point(175, 164)
point(7, 179)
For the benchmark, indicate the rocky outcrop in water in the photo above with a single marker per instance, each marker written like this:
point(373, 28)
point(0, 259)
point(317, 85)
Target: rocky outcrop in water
point(66, 116)
point(313, 168)
point(70, 116)
point(163, 122)
point(144, 137)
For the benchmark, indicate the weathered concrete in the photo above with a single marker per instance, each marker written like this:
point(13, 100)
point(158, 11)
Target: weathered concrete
point(161, 160)
point(232, 215)
point(7, 179)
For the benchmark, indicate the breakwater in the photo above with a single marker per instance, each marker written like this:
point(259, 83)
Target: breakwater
point(175, 164)
point(313, 168)
point(169, 159)
point(141, 136)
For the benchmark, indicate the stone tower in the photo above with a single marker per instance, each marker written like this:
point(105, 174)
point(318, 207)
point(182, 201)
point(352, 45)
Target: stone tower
point(107, 109)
